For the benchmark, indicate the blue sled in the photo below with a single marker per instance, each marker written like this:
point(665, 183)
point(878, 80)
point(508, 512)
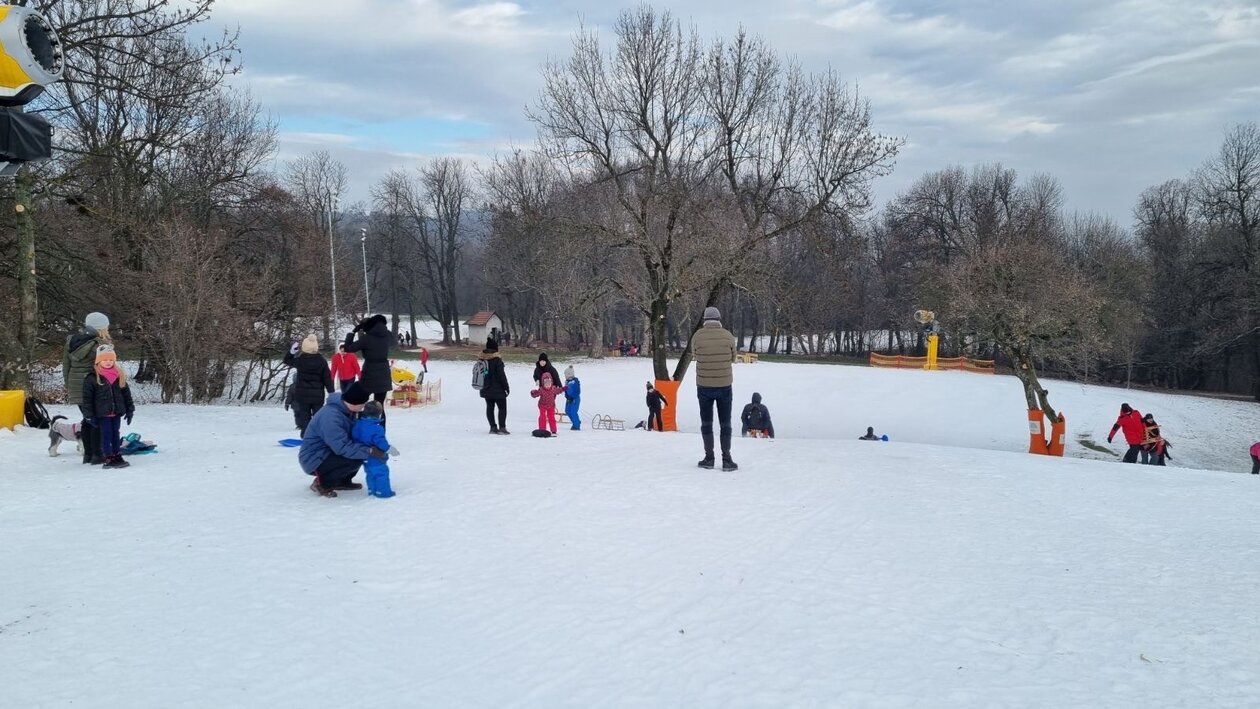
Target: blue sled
point(290, 442)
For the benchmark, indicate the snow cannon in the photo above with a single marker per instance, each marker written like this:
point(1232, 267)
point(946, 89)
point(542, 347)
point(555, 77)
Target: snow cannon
point(30, 59)
point(402, 376)
point(932, 327)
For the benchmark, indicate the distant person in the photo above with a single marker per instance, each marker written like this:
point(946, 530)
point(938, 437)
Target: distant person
point(424, 359)
point(713, 348)
point(106, 403)
point(507, 338)
point(1154, 446)
point(495, 388)
point(1129, 421)
point(369, 431)
point(756, 419)
point(655, 402)
point(572, 398)
point(870, 435)
point(546, 394)
point(374, 340)
point(313, 379)
point(1255, 458)
point(77, 361)
point(345, 367)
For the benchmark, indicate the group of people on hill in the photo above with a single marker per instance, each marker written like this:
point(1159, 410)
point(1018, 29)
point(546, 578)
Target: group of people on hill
point(490, 378)
point(1143, 436)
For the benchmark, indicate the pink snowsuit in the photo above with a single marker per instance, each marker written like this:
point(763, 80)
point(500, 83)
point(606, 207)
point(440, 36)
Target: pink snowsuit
point(546, 396)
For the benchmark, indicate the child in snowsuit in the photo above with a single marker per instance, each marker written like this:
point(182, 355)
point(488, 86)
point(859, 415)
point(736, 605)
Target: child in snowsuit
point(106, 403)
point(546, 395)
point(370, 431)
point(654, 403)
point(572, 398)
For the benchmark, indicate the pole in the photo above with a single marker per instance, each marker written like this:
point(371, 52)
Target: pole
point(367, 292)
point(332, 260)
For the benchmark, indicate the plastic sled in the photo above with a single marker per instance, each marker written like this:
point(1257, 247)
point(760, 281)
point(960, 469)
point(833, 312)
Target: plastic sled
point(290, 442)
point(132, 445)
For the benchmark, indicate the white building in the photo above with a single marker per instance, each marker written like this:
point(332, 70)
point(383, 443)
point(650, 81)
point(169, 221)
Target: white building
point(480, 327)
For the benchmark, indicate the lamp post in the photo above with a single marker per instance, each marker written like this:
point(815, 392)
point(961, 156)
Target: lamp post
point(367, 292)
point(332, 257)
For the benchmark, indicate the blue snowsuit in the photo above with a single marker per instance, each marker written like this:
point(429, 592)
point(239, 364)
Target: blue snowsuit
point(572, 400)
point(371, 432)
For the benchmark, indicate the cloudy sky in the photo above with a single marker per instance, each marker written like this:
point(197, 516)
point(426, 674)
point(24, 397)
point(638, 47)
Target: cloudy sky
point(1110, 96)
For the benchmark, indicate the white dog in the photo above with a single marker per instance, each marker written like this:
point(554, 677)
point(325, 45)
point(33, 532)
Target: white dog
point(63, 430)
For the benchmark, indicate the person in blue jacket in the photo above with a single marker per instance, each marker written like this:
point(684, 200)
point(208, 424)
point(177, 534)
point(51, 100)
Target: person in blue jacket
point(329, 452)
point(370, 431)
point(572, 397)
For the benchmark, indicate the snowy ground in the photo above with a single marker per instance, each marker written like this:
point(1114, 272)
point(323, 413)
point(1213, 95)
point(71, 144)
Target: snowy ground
point(943, 569)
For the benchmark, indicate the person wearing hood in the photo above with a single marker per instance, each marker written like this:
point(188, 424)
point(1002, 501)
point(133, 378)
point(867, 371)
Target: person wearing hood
point(329, 452)
point(713, 348)
point(313, 380)
point(79, 360)
point(756, 418)
point(495, 389)
point(374, 340)
point(544, 366)
point(1130, 421)
point(572, 398)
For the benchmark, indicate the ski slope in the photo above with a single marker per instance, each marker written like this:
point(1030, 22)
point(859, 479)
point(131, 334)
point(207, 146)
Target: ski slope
point(942, 569)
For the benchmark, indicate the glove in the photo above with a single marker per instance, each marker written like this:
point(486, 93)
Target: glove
point(127, 418)
point(1110, 437)
point(91, 421)
point(376, 453)
point(293, 349)
point(394, 452)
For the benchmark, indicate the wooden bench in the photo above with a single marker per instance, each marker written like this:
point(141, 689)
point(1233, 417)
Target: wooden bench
point(748, 357)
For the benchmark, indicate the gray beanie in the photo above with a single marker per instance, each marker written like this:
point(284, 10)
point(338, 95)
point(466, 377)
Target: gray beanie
point(712, 313)
point(97, 321)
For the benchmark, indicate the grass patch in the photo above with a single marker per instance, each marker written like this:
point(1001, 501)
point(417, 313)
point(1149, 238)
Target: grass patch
point(1089, 443)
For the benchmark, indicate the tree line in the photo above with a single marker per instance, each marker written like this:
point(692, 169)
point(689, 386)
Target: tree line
point(669, 173)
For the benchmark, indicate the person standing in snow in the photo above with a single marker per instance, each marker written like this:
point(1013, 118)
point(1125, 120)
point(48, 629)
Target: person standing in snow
point(424, 359)
point(370, 431)
point(756, 418)
point(313, 380)
point(329, 452)
point(1130, 422)
point(713, 348)
point(572, 398)
point(495, 389)
point(544, 366)
point(79, 360)
point(345, 367)
point(655, 401)
point(106, 403)
point(546, 394)
point(374, 342)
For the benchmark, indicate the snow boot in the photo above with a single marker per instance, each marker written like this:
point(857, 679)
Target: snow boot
point(90, 436)
point(120, 462)
point(348, 486)
point(504, 432)
point(707, 463)
point(728, 465)
point(321, 490)
point(494, 430)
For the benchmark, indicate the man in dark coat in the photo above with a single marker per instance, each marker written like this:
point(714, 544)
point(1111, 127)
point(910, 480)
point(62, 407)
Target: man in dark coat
point(756, 418)
point(313, 380)
point(77, 361)
point(329, 453)
point(544, 366)
point(495, 389)
point(374, 342)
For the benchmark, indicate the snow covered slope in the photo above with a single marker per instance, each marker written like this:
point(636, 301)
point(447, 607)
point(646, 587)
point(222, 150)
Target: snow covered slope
point(604, 569)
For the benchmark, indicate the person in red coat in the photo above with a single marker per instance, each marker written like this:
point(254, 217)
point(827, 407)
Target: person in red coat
point(424, 359)
point(1130, 421)
point(345, 367)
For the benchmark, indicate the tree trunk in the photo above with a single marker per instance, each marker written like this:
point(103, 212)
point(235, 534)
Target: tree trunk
point(596, 339)
point(28, 292)
point(656, 338)
point(1034, 394)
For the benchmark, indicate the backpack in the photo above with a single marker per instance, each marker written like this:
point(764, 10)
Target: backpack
point(481, 369)
point(755, 419)
point(36, 414)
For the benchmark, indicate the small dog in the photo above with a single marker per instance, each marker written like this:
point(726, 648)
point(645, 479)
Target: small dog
point(63, 430)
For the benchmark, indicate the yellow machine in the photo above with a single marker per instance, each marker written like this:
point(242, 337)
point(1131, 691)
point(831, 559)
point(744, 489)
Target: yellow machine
point(927, 319)
point(30, 54)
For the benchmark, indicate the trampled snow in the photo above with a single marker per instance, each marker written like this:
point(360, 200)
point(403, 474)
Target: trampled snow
point(942, 569)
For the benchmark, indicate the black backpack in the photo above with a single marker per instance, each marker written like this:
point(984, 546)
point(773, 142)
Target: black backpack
point(755, 419)
point(36, 414)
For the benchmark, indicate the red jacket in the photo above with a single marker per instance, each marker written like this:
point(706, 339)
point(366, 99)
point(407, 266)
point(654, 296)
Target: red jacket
point(345, 365)
point(424, 356)
point(1131, 424)
point(547, 397)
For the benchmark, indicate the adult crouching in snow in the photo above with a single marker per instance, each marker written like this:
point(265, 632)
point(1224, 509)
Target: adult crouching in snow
point(329, 452)
point(374, 341)
point(313, 380)
point(1130, 422)
point(79, 360)
point(713, 348)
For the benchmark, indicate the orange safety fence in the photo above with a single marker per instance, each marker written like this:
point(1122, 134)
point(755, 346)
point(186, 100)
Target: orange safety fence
point(966, 364)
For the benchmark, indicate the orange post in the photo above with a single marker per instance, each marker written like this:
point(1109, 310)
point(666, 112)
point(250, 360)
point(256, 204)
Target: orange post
point(1036, 432)
point(669, 415)
point(1058, 436)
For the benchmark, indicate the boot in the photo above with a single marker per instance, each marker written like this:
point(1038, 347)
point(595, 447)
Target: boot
point(90, 438)
point(320, 489)
point(494, 430)
point(348, 486)
point(120, 462)
point(707, 463)
point(727, 464)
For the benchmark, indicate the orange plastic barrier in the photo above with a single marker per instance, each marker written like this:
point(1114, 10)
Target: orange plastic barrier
point(1037, 432)
point(966, 364)
point(1058, 436)
point(669, 415)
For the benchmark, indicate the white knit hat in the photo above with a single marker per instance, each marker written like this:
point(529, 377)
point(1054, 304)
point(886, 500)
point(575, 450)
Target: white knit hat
point(97, 321)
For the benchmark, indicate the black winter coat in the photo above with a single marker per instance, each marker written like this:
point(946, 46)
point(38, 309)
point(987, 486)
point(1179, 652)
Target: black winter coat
point(655, 400)
point(374, 344)
point(100, 398)
point(313, 378)
point(550, 369)
point(496, 385)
